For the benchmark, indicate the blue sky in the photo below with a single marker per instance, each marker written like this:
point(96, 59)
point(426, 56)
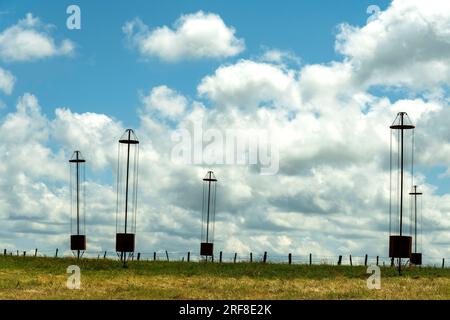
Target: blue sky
point(106, 76)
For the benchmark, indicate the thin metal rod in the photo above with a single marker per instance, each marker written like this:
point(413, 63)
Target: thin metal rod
point(71, 198)
point(207, 216)
point(83, 170)
point(78, 195)
point(390, 185)
point(118, 188)
point(401, 189)
point(78, 199)
point(415, 219)
point(203, 211)
point(126, 182)
point(401, 177)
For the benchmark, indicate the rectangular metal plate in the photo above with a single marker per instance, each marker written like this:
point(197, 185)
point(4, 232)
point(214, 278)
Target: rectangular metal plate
point(400, 246)
point(125, 242)
point(206, 249)
point(78, 242)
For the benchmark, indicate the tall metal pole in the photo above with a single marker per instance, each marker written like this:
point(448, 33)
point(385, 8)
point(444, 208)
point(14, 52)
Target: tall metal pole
point(207, 215)
point(126, 183)
point(415, 218)
point(78, 196)
point(123, 255)
point(401, 188)
point(401, 177)
point(78, 201)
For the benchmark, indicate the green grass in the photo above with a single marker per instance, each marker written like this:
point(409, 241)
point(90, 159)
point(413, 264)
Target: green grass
point(45, 278)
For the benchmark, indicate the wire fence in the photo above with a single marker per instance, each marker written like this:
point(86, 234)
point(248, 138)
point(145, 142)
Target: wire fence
point(223, 257)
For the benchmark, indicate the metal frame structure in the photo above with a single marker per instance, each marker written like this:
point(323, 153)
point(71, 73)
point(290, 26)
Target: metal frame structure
point(208, 215)
point(400, 244)
point(78, 203)
point(127, 186)
point(416, 256)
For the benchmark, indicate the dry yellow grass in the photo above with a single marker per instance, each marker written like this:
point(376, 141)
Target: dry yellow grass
point(107, 280)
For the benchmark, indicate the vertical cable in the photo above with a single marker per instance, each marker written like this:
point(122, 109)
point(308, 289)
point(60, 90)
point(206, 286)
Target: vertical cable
point(411, 214)
point(126, 179)
point(412, 157)
point(208, 210)
point(71, 197)
point(83, 195)
point(203, 212)
point(390, 184)
point(118, 190)
point(214, 211)
point(133, 188)
point(398, 178)
point(137, 184)
point(421, 225)
point(83, 198)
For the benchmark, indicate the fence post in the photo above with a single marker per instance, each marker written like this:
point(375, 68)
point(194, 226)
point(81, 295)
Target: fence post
point(310, 259)
point(251, 257)
point(290, 258)
point(392, 261)
point(189, 256)
point(56, 253)
point(265, 257)
point(24, 253)
point(167, 255)
point(339, 260)
point(139, 256)
point(351, 263)
point(154, 256)
point(377, 259)
point(35, 252)
point(17, 252)
point(235, 257)
point(4, 252)
point(365, 260)
point(220, 257)
point(443, 263)
point(104, 255)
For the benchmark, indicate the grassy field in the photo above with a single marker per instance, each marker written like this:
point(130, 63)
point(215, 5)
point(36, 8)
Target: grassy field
point(45, 278)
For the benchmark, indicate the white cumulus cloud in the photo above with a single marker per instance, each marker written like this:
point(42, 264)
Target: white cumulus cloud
point(166, 101)
point(408, 44)
point(194, 36)
point(280, 57)
point(248, 84)
point(29, 40)
point(7, 81)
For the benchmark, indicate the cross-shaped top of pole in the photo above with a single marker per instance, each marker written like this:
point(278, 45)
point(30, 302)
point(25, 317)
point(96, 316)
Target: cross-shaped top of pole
point(210, 176)
point(129, 137)
point(415, 192)
point(402, 121)
point(76, 157)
